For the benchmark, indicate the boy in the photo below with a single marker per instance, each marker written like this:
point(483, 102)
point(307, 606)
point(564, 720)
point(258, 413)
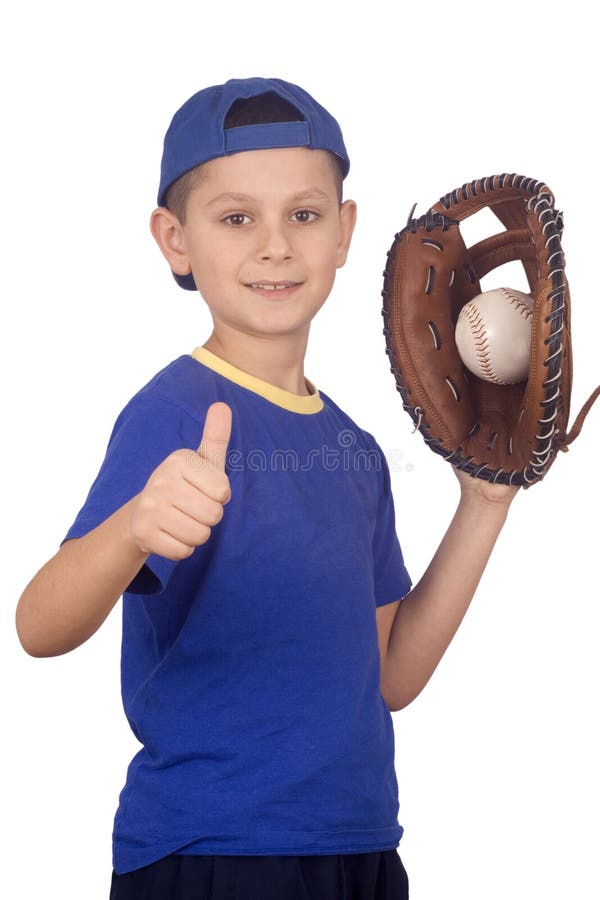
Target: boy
point(249, 524)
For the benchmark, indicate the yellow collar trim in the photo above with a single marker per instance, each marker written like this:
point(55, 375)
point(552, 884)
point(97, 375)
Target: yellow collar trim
point(294, 402)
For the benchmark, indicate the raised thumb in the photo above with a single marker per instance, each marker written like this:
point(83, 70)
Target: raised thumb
point(215, 437)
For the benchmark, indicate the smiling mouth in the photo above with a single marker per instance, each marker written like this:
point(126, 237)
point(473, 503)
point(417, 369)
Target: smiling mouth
point(273, 285)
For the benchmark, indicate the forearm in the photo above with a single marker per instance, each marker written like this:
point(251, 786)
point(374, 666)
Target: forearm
point(73, 593)
point(429, 616)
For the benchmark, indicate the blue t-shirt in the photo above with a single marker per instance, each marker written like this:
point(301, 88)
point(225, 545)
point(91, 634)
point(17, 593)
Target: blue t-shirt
point(250, 671)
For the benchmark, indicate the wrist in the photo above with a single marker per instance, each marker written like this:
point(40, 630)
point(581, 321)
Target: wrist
point(485, 495)
point(128, 532)
point(483, 503)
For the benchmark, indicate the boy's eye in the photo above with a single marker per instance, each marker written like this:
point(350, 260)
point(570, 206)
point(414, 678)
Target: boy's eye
point(305, 215)
point(236, 219)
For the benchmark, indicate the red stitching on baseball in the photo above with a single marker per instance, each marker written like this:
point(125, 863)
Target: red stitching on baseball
point(481, 345)
point(521, 307)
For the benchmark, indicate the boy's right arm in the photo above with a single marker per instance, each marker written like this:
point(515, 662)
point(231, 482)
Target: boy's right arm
point(73, 593)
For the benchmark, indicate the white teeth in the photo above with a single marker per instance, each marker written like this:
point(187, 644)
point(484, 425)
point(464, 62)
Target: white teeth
point(272, 287)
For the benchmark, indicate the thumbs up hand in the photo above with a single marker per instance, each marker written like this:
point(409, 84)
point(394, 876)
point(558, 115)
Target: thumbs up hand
point(184, 497)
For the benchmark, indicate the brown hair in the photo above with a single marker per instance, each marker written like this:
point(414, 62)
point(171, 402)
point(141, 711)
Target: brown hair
point(260, 110)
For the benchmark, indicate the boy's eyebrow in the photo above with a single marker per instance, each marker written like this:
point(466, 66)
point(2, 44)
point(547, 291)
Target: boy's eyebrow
point(313, 193)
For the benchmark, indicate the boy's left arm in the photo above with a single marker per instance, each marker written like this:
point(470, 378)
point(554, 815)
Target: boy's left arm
point(414, 633)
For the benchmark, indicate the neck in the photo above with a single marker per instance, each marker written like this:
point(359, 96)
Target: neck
point(277, 361)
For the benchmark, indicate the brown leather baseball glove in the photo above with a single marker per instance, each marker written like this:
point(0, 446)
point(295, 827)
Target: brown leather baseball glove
point(501, 433)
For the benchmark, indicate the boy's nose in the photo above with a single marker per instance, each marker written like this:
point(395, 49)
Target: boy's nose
point(274, 243)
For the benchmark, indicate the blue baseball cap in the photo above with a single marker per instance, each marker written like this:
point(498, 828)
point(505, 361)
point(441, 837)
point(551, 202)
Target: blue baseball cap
point(197, 133)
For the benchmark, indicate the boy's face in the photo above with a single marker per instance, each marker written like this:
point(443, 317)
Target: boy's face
point(263, 236)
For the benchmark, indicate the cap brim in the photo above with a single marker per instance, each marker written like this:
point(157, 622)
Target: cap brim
point(185, 281)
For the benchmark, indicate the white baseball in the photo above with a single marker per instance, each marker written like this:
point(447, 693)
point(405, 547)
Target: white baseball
point(493, 335)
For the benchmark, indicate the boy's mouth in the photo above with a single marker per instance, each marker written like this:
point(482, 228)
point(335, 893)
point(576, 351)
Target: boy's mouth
point(273, 285)
point(274, 290)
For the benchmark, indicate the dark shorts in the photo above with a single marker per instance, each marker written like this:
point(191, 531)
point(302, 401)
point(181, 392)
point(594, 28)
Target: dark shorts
point(348, 876)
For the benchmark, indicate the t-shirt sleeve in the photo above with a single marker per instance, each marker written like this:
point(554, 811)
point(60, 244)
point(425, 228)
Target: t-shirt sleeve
point(391, 578)
point(147, 430)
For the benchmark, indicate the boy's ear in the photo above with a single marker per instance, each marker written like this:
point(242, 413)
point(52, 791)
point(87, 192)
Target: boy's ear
point(167, 232)
point(347, 223)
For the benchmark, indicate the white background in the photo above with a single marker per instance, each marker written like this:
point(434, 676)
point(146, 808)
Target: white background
point(498, 759)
